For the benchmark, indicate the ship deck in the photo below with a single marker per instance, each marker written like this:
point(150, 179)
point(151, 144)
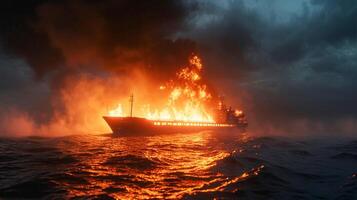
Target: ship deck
point(136, 125)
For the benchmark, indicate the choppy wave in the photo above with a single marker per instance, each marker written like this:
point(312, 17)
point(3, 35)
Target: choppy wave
point(191, 166)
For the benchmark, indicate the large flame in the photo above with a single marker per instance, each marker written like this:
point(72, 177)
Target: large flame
point(186, 97)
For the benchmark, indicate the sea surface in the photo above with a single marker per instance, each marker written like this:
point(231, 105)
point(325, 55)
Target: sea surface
point(204, 165)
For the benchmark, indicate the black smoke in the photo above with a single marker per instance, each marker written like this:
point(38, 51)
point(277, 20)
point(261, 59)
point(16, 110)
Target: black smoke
point(50, 35)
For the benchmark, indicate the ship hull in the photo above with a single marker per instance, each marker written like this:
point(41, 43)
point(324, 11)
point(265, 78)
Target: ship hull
point(142, 126)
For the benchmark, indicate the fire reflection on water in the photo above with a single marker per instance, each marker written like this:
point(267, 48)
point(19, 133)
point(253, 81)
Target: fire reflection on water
point(148, 167)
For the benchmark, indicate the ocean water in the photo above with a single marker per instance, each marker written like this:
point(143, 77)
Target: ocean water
point(204, 165)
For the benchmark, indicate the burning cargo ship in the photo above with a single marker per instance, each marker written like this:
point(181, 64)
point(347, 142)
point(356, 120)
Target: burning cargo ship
point(225, 119)
point(190, 106)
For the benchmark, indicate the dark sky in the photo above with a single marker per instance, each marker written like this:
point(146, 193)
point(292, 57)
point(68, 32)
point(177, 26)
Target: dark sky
point(291, 65)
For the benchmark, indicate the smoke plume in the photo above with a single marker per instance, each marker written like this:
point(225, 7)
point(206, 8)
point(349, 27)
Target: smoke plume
point(87, 55)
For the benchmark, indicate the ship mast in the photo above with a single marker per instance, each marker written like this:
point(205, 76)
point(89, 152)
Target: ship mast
point(131, 100)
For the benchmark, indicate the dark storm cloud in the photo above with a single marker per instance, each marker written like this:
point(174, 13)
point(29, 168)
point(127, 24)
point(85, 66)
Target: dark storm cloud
point(335, 23)
point(241, 34)
point(301, 67)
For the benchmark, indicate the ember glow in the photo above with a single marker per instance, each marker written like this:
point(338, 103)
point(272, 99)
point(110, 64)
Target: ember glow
point(187, 98)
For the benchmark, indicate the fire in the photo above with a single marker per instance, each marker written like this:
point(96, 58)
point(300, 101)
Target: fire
point(186, 97)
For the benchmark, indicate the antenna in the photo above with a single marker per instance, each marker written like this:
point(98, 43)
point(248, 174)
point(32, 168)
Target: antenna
point(131, 100)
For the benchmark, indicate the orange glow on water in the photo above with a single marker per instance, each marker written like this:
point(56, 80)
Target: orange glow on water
point(127, 168)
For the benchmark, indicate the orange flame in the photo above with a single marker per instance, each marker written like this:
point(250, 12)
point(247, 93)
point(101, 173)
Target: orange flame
point(187, 97)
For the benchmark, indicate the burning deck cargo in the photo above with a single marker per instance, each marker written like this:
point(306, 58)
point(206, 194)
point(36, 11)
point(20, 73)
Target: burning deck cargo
point(226, 119)
point(190, 107)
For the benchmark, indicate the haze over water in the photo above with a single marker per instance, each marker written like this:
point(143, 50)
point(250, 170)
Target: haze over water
point(200, 165)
